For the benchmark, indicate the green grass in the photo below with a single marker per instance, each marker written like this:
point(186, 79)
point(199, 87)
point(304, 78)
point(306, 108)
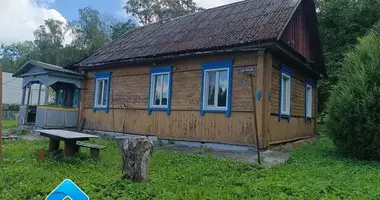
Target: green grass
point(9, 124)
point(315, 171)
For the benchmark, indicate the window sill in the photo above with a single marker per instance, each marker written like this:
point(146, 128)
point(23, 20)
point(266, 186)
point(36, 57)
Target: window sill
point(94, 109)
point(203, 111)
point(167, 110)
point(284, 116)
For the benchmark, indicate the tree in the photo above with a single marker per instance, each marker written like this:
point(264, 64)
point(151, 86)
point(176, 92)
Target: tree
point(341, 22)
point(121, 27)
point(90, 31)
point(49, 39)
point(150, 11)
point(15, 55)
point(354, 120)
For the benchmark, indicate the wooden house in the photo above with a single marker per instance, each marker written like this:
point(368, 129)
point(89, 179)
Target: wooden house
point(186, 78)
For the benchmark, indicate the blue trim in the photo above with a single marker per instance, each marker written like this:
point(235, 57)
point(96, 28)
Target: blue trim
point(284, 70)
point(259, 96)
point(161, 70)
point(97, 76)
point(308, 82)
point(217, 65)
point(270, 96)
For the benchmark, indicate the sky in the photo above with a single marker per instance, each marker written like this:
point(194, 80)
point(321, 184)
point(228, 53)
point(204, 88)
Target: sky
point(19, 18)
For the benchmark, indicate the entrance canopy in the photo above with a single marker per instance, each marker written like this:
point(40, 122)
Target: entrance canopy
point(61, 113)
point(38, 72)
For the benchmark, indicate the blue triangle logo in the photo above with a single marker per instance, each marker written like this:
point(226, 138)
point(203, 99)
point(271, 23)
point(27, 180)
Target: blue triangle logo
point(67, 190)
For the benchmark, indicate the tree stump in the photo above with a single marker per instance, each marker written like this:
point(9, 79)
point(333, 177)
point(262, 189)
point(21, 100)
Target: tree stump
point(135, 154)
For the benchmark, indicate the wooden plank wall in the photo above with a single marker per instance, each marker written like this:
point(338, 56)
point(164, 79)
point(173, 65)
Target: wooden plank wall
point(297, 127)
point(129, 99)
point(296, 35)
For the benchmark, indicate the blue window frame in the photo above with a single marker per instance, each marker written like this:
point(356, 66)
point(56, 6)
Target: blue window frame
point(308, 100)
point(216, 87)
point(102, 91)
point(76, 99)
point(160, 89)
point(285, 92)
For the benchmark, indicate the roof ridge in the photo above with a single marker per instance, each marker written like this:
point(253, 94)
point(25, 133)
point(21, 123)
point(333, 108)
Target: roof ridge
point(49, 64)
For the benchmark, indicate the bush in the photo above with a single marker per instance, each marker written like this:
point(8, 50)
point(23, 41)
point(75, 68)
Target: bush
point(14, 107)
point(354, 106)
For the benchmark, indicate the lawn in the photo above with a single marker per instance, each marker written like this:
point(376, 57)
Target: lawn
point(9, 124)
point(315, 171)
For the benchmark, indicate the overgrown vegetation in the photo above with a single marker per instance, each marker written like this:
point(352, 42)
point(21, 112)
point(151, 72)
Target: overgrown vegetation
point(354, 108)
point(341, 22)
point(320, 173)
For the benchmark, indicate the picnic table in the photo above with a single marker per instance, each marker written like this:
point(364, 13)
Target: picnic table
point(69, 137)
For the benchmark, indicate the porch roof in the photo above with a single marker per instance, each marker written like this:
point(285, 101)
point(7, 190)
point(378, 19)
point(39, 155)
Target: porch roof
point(47, 74)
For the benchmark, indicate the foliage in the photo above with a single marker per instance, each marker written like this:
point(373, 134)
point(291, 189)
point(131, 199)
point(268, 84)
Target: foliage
point(90, 32)
point(15, 55)
point(19, 132)
point(48, 40)
point(6, 124)
point(150, 11)
point(14, 107)
point(321, 174)
point(121, 27)
point(341, 22)
point(354, 120)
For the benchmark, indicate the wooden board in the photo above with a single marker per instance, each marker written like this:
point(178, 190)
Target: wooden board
point(89, 145)
point(297, 105)
point(284, 131)
point(297, 35)
point(132, 90)
point(298, 127)
point(187, 125)
point(129, 101)
point(65, 135)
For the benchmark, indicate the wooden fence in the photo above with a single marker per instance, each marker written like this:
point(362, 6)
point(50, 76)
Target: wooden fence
point(53, 117)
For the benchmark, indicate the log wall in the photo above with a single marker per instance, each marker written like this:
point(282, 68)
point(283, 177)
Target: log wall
point(129, 99)
point(130, 92)
point(297, 128)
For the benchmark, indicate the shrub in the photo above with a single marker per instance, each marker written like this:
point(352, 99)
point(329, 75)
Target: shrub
point(14, 107)
point(354, 106)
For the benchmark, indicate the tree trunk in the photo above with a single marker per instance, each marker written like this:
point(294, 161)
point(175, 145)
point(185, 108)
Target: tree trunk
point(135, 154)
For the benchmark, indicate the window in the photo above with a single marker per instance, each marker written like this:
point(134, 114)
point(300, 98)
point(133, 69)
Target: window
point(102, 87)
point(216, 87)
point(285, 92)
point(160, 89)
point(308, 101)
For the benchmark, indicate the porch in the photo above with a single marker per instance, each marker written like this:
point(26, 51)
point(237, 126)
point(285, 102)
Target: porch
point(59, 89)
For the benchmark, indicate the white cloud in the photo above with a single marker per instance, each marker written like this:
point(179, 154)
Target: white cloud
point(44, 3)
point(121, 12)
point(19, 18)
point(213, 3)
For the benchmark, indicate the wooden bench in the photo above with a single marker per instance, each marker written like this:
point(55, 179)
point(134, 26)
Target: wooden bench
point(94, 149)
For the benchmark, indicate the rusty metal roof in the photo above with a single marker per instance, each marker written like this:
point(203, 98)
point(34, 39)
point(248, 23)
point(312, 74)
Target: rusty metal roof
point(236, 24)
